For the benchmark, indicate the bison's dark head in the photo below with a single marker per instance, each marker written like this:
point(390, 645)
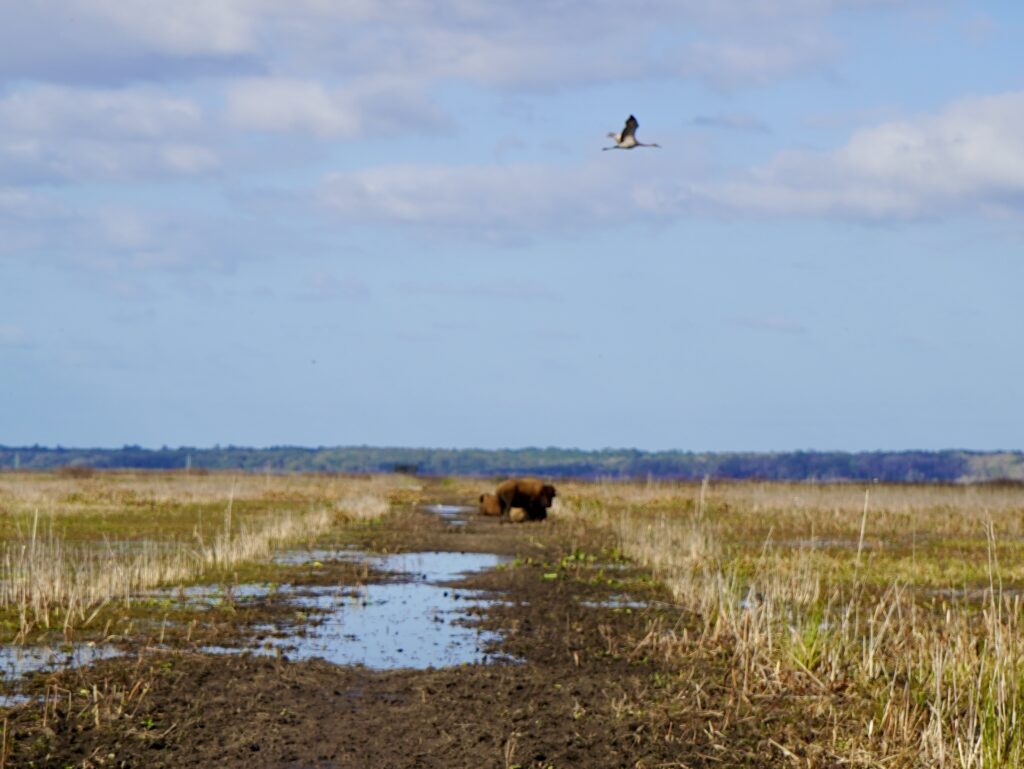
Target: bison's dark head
point(547, 493)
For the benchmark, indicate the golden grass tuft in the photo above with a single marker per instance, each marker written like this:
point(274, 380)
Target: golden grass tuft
point(363, 507)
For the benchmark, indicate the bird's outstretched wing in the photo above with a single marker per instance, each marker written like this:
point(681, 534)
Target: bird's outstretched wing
point(631, 126)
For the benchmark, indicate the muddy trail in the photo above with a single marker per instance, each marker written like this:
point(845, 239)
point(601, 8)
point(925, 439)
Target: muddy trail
point(545, 650)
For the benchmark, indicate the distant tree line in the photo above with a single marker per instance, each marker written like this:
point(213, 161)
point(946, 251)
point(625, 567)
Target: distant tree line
point(892, 466)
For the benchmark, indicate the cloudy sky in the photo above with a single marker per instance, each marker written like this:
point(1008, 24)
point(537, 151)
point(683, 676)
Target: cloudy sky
point(259, 222)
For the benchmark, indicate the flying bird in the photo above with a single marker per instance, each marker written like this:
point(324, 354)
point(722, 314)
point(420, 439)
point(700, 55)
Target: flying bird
point(626, 138)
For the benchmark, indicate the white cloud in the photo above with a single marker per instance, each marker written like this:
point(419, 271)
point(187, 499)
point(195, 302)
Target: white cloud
point(532, 44)
point(181, 27)
point(109, 42)
point(185, 27)
point(133, 114)
point(491, 201)
point(284, 105)
point(91, 161)
point(973, 148)
point(545, 45)
point(51, 133)
point(968, 158)
point(337, 70)
point(388, 62)
point(187, 159)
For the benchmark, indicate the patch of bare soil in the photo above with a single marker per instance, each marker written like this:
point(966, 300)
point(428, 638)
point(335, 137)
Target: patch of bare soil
point(588, 688)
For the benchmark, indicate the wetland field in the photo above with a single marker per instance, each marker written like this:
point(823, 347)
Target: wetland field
point(320, 621)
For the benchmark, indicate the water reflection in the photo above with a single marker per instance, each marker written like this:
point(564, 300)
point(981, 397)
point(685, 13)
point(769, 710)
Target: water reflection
point(453, 515)
point(19, 661)
point(414, 620)
point(417, 622)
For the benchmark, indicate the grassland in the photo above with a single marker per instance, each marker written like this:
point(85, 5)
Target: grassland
point(894, 611)
point(888, 616)
point(79, 551)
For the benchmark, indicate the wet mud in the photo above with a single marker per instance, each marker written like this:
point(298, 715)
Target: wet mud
point(502, 646)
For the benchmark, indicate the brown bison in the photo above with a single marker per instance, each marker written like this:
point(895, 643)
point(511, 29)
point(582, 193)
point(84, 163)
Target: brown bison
point(489, 505)
point(531, 494)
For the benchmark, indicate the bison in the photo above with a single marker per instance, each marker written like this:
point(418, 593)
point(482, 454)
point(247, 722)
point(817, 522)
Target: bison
point(531, 494)
point(489, 505)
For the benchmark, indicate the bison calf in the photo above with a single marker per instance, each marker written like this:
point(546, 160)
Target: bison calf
point(489, 505)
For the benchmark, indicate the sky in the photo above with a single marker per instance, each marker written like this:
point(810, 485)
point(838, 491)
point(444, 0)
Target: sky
point(392, 223)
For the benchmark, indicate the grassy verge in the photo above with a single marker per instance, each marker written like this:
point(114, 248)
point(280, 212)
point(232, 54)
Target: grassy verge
point(895, 611)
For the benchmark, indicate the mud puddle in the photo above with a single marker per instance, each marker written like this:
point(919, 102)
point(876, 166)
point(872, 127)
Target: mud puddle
point(453, 515)
point(414, 621)
point(16, 662)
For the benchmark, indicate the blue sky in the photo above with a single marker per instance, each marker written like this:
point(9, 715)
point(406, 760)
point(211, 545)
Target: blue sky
point(391, 223)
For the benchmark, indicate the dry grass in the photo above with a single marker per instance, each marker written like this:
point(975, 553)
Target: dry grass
point(895, 611)
point(74, 544)
point(896, 608)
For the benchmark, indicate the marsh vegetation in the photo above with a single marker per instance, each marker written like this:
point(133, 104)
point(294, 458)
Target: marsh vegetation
point(894, 612)
point(760, 624)
point(80, 551)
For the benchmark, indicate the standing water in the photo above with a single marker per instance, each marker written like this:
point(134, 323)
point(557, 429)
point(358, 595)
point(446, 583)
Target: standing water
point(414, 623)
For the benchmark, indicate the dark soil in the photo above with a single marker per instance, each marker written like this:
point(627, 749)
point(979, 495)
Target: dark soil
point(588, 688)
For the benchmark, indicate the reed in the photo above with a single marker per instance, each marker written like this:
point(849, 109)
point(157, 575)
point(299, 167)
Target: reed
point(57, 573)
point(48, 577)
point(827, 590)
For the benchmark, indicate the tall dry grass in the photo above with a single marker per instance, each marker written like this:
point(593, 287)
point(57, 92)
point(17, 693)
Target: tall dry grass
point(53, 572)
point(47, 576)
point(794, 581)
